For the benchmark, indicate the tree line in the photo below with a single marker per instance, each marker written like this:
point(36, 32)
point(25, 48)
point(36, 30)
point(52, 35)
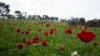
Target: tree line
point(5, 10)
point(81, 21)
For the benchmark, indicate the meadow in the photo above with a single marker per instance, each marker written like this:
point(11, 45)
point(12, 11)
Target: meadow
point(34, 38)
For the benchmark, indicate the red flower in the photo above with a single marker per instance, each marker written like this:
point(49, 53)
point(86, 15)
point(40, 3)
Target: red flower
point(35, 42)
point(26, 32)
point(52, 31)
point(17, 30)
point(20, 46)
point(24, 40)
point(44, 43)
point(28, 43)
point(95, 44)
point(46, 33)
point(86, 36)
point(36, 37)
point(62, 47)
point(68, 31)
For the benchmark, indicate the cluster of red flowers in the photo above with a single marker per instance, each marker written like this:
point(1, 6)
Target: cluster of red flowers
point(52, 31)
point(34, 42)
point(25, 33)
point(83, 36)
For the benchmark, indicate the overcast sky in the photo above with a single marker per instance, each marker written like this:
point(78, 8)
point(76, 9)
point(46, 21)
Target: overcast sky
point(88, 9)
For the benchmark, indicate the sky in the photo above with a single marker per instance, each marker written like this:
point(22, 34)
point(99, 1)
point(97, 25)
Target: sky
point(89, 9)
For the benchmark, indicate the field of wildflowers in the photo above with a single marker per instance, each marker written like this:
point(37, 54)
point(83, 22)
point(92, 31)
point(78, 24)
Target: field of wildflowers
point(32, 38)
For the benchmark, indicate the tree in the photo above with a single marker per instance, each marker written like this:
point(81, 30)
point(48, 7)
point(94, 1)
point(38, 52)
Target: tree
point(82, 21)
point(55, 19)
point(62, 20)
point(98, 23)
point(34, 17)
point(91, 23)
point(73, 21)
point(18, 14)
point(4, 9)
point(7, 10)
point(39, 17)
point(24, 15)
point(46, 17)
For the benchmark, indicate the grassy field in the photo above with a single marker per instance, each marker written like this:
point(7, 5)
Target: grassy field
point(9, 40)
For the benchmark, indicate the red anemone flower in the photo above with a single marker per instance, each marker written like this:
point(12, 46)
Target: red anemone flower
point(52, 31)
point(95, 44)
point(27, 32)
point(44, 43)
point(68, 31)
point(17, 30)
point(35, 42)
point(28, 43)
point(62, 47)
point(86, 36)
point(46, 33)
point(20, 46)
point(36, 37)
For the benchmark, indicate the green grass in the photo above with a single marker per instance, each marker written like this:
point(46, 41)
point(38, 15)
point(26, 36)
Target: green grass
point(9, 40)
